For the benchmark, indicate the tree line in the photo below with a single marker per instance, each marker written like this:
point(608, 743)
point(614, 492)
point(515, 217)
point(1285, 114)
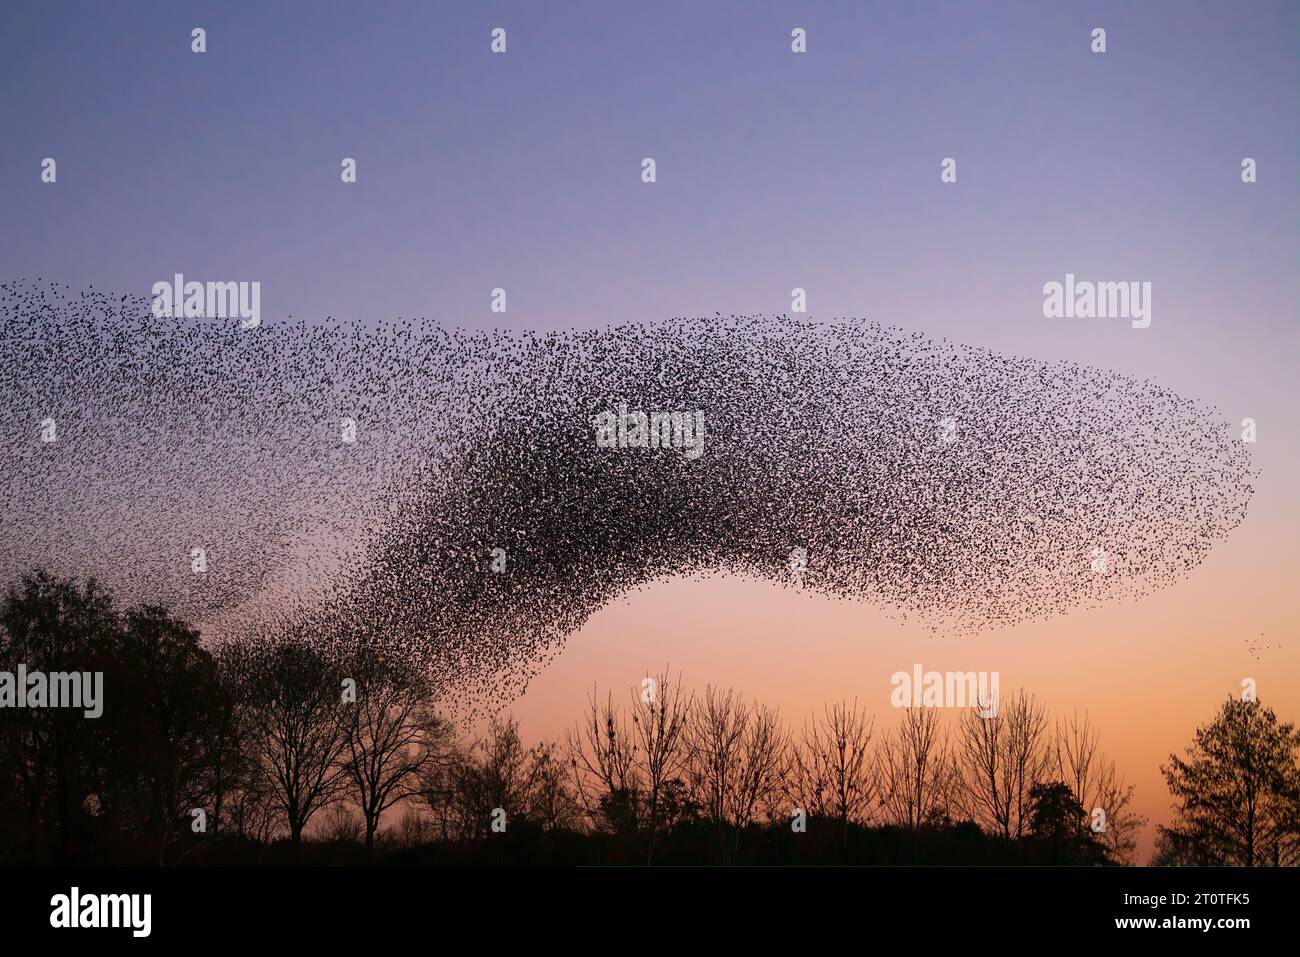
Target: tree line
point(290, 747)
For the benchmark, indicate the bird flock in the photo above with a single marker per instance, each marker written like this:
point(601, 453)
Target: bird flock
point(443, 493)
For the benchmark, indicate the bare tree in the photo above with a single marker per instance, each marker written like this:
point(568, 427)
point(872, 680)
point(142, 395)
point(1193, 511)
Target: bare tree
point(1097, 788)
point(551, 803)
point(1028, 753)
point(830, 771)
point(916, 770)
point(292, 695)
point(981, 757)
point(412, 827)
point(601, 751)
point(439, 778)
point(1118, 826)
point(629, 769)
point(341, 826)
point(660, 714)
point(762, 767)
point(498, 778)
point(716, 741)
point(390, 732)
point(734, 761)
point(1001, 758)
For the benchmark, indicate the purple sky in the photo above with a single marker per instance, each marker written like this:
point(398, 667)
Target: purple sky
point(775, 170)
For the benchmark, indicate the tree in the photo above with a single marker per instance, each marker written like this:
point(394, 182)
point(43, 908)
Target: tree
point(232, 784)
point(762, 768)
point(1238, 791)
point(439, 778)
point(390, 732)
point(292, 694)
point(602, 756)
point(47, 755)
point(830, 770)
point(551, 803)
point(1001, 757)
point(660, 713)
point(715, 736)
point(1076, 761)
point(1054, 816)
point(629, 769)
point(1096, 786)
point(161, 744)
point(916, 770)
point(1054, 813)
point(734, 761)
point(500, 777)
point(1120, 826)
point(138, 768)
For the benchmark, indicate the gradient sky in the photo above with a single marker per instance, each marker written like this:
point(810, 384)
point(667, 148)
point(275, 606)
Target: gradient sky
point(775, 170)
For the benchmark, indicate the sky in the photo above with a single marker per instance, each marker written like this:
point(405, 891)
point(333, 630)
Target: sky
point(775, 170)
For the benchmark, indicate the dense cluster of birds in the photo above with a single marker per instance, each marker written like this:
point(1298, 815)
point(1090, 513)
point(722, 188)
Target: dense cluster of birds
point(443, 492)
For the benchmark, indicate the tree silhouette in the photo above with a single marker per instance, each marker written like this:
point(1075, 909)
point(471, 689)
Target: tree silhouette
point(390, 731)
point(660, 715)
point(272, 728)
point(917, 770)
point(551, 803)
point(734, 761)
point(1097, 786)
point(162, 743)
point(1054, 818)
point(1001, 757)
point(137, 770)
point(830, 770)
point(51, 624)
point(500, 777)
point(292, 695)
point(1238, 792)
point(602, 755)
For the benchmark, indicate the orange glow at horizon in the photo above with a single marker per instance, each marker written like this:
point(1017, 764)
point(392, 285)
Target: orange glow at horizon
point(1147, 672)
